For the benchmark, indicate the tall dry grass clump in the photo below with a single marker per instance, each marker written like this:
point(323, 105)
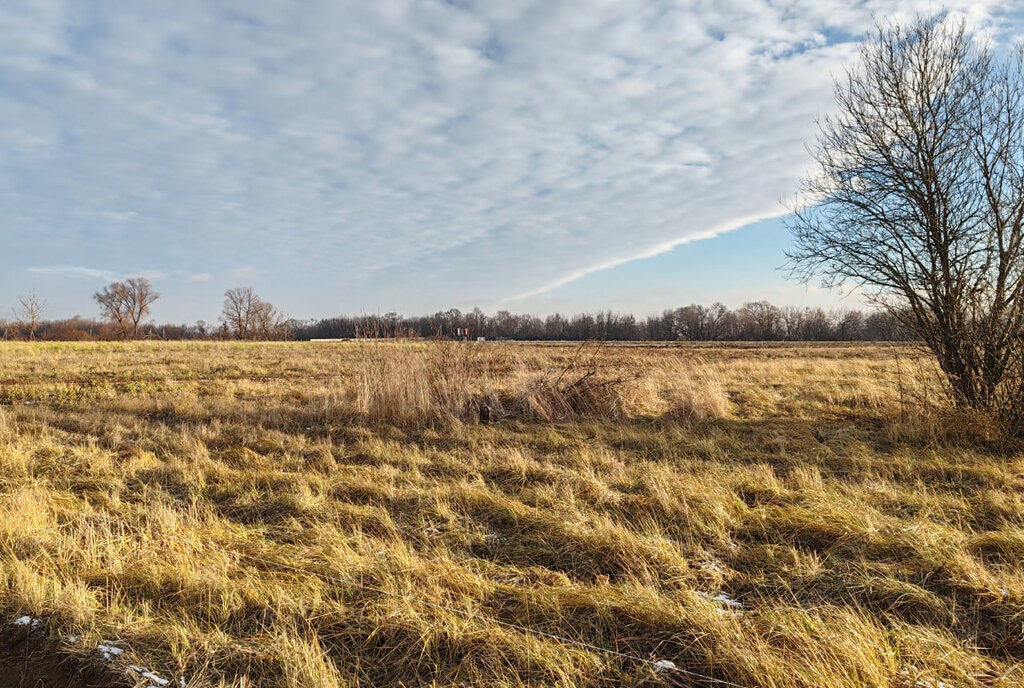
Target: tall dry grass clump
point(440, 382)
point(923, 410)
point(435, 382)
point(694, 392)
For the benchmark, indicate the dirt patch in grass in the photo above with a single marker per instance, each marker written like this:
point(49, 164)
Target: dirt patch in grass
point(37, 663)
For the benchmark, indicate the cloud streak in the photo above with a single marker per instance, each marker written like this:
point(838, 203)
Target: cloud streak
point(656, 250)
point(421, 153)
point(73, 271)
point(83, 272)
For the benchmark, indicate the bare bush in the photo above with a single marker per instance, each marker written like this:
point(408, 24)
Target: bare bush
point(582, 388)
point(918, 197)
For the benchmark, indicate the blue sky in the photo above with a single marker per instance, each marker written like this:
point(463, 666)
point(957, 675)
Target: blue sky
point(735, 267)
point(412, 155)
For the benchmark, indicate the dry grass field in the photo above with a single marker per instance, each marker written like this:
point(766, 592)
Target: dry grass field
point(337, 514)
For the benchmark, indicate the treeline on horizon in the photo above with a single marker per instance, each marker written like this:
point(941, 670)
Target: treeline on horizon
point(753, 321)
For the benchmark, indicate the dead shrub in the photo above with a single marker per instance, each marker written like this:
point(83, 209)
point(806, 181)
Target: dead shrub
point(583, 388)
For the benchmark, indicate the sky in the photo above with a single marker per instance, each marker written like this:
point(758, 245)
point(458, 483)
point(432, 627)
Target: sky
point(416, 155)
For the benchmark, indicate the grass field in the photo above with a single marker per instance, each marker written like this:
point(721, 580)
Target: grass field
point(298, 514)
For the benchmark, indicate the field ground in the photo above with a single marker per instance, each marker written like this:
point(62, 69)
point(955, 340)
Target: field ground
point(337, 514)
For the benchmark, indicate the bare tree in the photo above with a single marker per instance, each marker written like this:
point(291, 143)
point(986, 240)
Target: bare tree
point(758, 320)
point(918, 198)
point(238, 311)
point(247, 316)
point(126, 303)
point(689, 322)
point(29, 312)
point(268, 321)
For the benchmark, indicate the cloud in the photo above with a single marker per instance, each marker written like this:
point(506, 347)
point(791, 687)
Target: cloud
point(73, 271)
point(425, 152)
point(80, 271)
point(245, 272)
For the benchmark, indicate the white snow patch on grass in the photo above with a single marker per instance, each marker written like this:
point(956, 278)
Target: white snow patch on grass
point(156, 681)
point(714, 566)
point(26, 621)
point(730, 605)
point(921, 681)
point(108, 651)
point(729, 602)
point(664, 665)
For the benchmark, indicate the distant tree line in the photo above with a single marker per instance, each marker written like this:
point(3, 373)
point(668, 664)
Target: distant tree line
point(123, 307)
point(246, 316)
point(754, 321)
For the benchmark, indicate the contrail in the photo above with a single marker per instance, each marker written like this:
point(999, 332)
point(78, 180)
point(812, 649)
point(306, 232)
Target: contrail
point(650, 253)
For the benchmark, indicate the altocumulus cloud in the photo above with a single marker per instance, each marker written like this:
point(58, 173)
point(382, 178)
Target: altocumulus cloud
point(428, 151)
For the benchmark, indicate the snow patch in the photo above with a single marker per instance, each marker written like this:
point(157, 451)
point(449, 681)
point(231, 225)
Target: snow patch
point(26, 621)
point(729, 602)
point(921, 681)
point(663, 665)
point(108, 651)
point(730, 605)
point(713, 565)
point(155, 680)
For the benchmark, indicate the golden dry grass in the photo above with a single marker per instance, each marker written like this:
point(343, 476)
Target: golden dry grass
point(336, 515)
